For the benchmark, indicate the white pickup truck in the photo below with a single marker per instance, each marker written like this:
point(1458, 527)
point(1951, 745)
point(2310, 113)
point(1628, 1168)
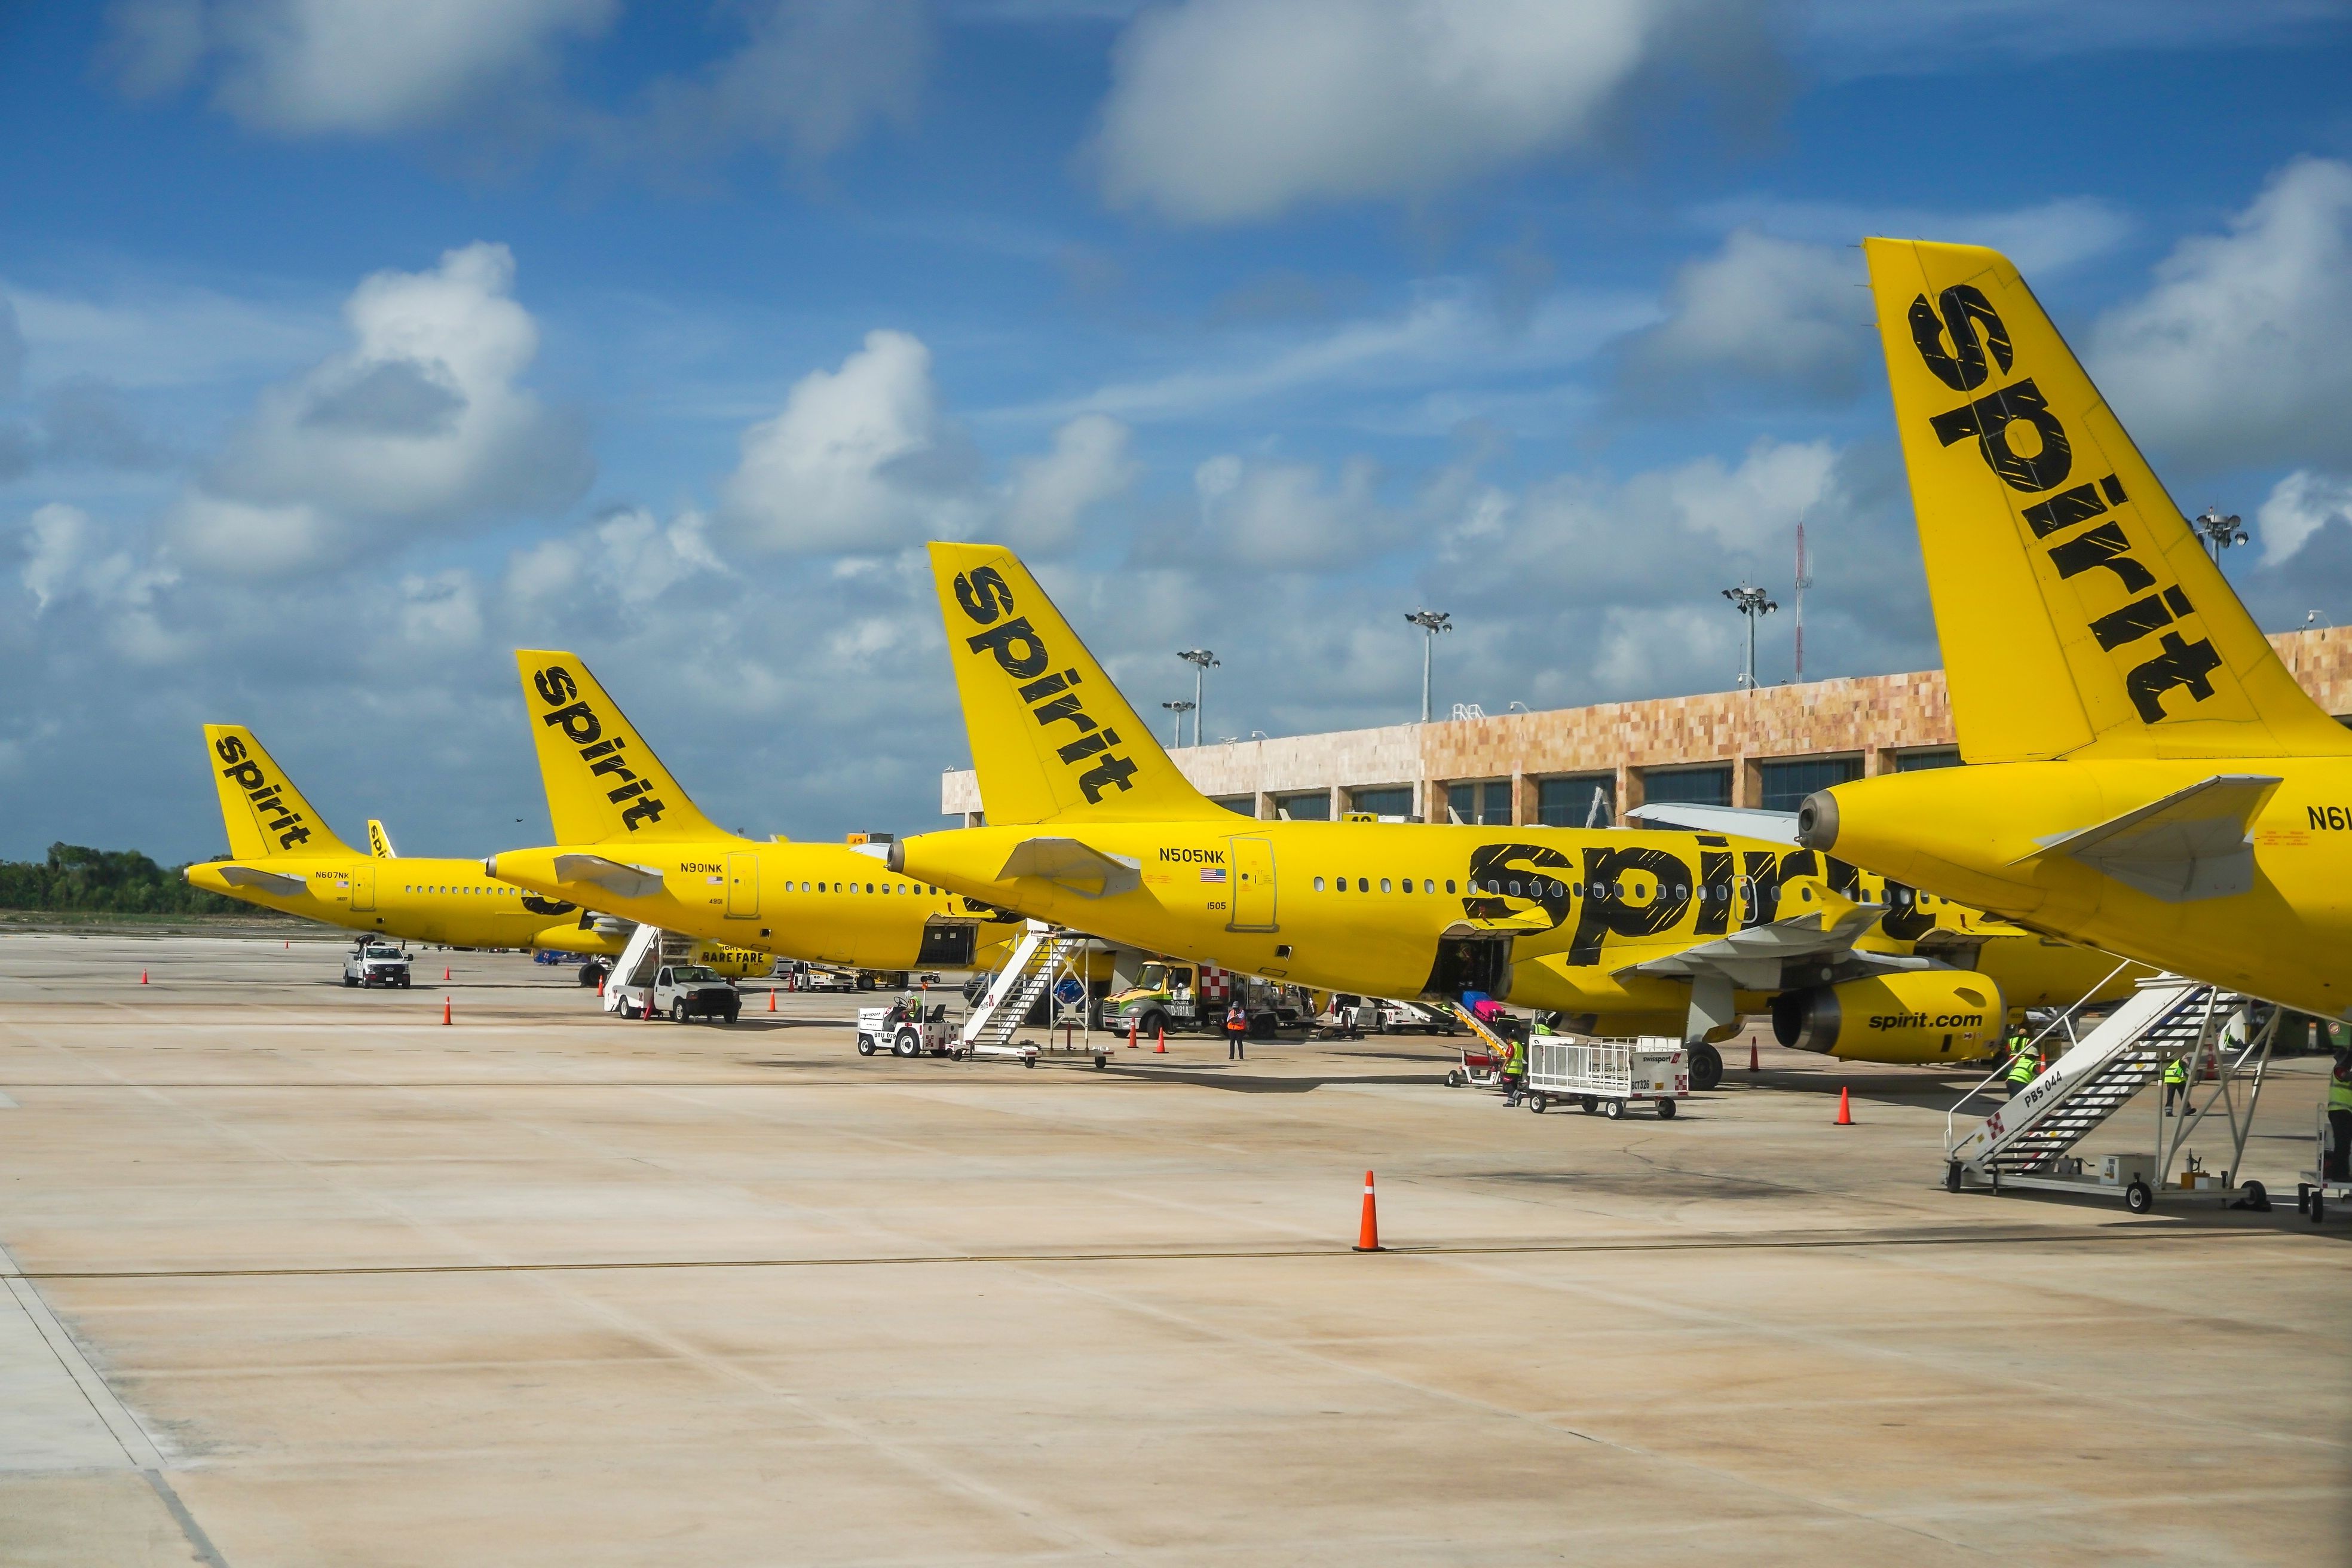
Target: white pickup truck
point(906, 1028)
point(371, 962)
point(683, 991)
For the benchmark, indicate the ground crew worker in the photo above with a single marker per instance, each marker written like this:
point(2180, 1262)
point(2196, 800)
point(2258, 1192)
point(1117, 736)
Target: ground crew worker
point(1515, 1070)
point(1236, 1030)
point(2024, 1065)
point(2338, 1166)
point(2176, 1081)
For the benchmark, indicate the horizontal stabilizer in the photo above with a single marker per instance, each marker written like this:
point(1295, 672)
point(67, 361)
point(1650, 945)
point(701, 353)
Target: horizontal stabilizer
point(1739, 821)
point(1080, 867)
point(628, 881)
point(2193, 843)
point(1752, 959)
point(260, 881)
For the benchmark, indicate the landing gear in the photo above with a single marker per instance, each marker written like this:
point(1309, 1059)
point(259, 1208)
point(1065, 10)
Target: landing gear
point(1706, 1066)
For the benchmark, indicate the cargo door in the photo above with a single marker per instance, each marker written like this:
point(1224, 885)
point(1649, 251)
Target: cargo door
point(1250, 884)
point(742, 884)
point(363, 885)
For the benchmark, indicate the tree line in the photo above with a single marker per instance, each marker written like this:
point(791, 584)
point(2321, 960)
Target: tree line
point(76, 878)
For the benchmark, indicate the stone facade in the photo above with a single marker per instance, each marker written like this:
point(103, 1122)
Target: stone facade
point(1872, 718)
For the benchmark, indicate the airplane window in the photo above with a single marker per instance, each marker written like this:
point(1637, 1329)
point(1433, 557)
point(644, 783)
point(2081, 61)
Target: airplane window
point(1318, 884)
point(886, 887)
point(1681, 891)
point(1449, 884)
point(1384, 885)
point(1806, 894)
point(1407, 884)
point(869, 887)
point(1363, 885)
point(1515, 889)
point(1429, 884)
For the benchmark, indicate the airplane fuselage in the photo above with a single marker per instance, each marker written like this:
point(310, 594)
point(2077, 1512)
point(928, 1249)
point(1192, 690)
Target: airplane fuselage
point(432, 901)
point(1979, 833)
point(823, 903)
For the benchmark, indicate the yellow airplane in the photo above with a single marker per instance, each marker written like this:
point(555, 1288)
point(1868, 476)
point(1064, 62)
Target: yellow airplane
point(1091, 826)
point(2146, 774)
point(380, 841)
point(633, 842)
point(283, 856)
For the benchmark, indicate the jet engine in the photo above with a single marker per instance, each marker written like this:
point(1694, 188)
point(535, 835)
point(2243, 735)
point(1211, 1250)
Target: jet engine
point(1911, 1016)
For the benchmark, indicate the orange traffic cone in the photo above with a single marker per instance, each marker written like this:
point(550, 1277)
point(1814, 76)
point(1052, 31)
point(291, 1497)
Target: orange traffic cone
point(1162, 1048)
point(771, 1001)
point(1845, 1108)
point(142, 977)
point(290, 944)
point(1367, 1231)
point(445, 972)
point(600, 986)
point(445, 1009)
point(1132, 1026)
point(1752, 1055)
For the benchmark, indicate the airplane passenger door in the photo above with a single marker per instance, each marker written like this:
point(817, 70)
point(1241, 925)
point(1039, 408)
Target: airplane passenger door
point(363, 885)
point(743, 885)
point(1250, 885)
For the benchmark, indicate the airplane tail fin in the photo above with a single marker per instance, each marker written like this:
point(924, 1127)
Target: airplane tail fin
point(265, 815)
point(379, 842)
point(2079, 613)
point(1052, 738)
point(602, 782)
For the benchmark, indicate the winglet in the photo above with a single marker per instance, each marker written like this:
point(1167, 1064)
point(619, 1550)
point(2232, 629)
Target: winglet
point(1052, 738)
point(2079, 613)
point(602, 782)
point(2193, 843)
point(264, 813)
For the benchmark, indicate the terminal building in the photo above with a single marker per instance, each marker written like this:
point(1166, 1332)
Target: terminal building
point(1568, 767)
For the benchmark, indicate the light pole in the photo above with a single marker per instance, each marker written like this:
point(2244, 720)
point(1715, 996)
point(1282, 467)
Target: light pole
point(1430, 622)
point(1752, 602)
point(1179, 709)
point(2220, 532)
point(1202, 661)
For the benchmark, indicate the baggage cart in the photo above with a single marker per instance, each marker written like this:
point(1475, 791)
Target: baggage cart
point(1607, 1075)
point(2314, 1189)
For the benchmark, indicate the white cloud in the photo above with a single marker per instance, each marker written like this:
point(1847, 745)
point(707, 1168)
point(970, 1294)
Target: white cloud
point(630, 556)
point(421, 422)
point(1224, 110)
point(12, 352)
point(53, 537)
point(2047, 238)
point(1763, 310)
point(2236, 356)
point(813, 78)
point(2298, 507)
point(1089, 464)
point(362, 66)
point(69, 558)
point(1283, 516)
point(859, 460)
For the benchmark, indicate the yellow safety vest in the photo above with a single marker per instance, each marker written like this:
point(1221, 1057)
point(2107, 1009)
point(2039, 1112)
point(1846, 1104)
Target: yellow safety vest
point(2023, 1070)
point(1515, 1059)
point(2339, 1094)
point(2176, 1071)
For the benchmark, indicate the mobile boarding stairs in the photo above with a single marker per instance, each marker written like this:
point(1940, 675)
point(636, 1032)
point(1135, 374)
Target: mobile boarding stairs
point(1048, 962)
point(2031, 1140)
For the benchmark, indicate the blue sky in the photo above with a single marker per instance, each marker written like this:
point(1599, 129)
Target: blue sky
point(346, 345)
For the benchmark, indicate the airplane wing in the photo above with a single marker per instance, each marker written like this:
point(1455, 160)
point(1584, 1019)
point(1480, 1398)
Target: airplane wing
point(1082, 869)
point(261, 881)
point(2193, 844)
point(628, 881)
point(1739, 821)
point(1751, 960)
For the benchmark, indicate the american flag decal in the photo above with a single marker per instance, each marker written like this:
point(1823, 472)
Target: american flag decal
point(1212, 873)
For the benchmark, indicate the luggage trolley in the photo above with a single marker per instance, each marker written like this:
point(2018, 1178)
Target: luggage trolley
point(1607, 1075)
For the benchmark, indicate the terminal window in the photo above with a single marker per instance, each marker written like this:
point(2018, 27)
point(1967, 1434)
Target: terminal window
point(1482, 805)
point(1568, 803)
point(1912, 761)
point(1240, 805)
point(1786, 784)
point(1687, 786)
point(1315, 807)
point(1397, 802)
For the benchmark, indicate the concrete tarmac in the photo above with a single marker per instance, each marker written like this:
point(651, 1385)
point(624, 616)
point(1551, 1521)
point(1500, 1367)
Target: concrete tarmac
point(297, 1276)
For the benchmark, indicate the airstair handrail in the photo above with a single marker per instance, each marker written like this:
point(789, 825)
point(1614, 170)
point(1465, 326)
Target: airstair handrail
point(2065, 1019)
